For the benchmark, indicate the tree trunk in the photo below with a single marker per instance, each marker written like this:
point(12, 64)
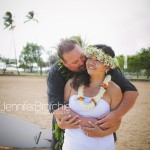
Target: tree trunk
point(15, 53)
point(40, 67)
point(4, 71)
point(148, 73)
point(31, 69)
point(41, 70)
point(137, 74)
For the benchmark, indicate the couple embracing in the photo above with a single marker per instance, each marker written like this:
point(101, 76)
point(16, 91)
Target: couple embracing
point(94, 96)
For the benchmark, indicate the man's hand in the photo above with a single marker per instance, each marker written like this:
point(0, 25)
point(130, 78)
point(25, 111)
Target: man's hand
point(67, 123)
point(97, 131)
point(108, 121)
point(93, 131)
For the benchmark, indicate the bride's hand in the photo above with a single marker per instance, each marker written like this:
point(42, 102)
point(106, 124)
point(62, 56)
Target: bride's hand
point(68, 123)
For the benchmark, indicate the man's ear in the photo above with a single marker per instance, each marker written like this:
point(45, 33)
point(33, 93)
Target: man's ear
point(65, 63)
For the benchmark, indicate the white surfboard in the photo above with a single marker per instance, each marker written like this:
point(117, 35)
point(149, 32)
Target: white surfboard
point(20, 133)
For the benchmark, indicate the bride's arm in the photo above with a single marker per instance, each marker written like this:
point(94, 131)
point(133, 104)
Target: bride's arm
point(66, 117)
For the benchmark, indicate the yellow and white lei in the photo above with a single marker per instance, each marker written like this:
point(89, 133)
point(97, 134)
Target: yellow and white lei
point(95, 99)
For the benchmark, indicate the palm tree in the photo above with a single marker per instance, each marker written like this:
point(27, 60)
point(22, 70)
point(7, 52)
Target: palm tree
point(9, 23)
point(30, 17)
point(80, 41)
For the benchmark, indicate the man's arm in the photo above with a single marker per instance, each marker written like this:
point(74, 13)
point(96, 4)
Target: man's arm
point(67, 118)
point(130, 94)
point(129, 98)
point(96, 131)
point(55, 91)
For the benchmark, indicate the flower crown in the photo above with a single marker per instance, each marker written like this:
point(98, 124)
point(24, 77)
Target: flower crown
point(101, 56)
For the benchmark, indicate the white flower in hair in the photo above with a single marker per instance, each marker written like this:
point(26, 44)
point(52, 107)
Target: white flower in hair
point(109, 61)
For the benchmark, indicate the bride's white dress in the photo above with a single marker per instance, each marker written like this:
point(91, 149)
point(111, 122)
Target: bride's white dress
point(75, 139)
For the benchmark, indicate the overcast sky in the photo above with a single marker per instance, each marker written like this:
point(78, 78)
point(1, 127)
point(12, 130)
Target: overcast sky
point(122, 24)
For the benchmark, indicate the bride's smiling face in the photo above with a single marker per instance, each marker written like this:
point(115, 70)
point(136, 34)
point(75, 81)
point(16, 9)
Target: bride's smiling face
point(94, 66)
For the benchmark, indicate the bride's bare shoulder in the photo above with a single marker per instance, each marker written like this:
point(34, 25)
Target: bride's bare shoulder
point(114, 91)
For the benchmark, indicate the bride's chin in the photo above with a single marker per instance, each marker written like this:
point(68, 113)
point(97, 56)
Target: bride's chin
point(89, 72)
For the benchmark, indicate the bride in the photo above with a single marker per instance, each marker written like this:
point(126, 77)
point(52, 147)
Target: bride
point(92, 94)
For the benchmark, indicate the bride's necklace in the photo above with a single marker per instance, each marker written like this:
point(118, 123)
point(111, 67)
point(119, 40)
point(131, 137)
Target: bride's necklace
point(96, 98)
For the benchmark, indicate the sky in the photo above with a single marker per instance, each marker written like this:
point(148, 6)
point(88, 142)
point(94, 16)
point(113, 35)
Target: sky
point(122, 24)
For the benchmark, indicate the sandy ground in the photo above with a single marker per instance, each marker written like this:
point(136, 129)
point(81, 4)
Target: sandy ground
point(133, 134)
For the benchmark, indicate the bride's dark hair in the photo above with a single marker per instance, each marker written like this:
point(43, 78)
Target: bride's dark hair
point(80, 78)
point(83, 78)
